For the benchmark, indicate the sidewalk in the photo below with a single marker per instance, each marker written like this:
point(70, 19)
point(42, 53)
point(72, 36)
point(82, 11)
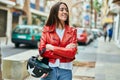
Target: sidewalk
point(106, 66)
point(108, 61)
point(3, 40)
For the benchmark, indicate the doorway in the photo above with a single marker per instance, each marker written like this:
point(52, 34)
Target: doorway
point(3, 23)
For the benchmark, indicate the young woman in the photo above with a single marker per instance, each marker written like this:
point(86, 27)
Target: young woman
point(58, 43)
point(105, 31)
point(110, 33)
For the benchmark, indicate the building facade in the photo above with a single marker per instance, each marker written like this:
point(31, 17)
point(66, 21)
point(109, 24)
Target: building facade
point(12, 13)
point(5, 17)
point(114, 10)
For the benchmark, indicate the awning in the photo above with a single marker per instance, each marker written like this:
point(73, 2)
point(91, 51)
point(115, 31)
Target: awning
point(116, 1)
point(110, 13)
point(113, 9)
point(107, 20)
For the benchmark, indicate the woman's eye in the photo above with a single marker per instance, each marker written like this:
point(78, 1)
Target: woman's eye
point(62, 9)
point(66, 10)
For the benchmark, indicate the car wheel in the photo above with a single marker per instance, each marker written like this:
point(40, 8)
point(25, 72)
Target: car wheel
point(17, 45)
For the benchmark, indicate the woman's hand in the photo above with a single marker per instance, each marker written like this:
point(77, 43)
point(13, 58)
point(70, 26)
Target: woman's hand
point(71, 45)
point(44, 75)
point(49, 47)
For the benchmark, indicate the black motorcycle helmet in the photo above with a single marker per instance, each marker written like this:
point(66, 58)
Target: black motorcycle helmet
point(36, 67)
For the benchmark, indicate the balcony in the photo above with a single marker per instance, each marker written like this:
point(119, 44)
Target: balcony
point(9, 3)
point(116, 2)
point(113, 9)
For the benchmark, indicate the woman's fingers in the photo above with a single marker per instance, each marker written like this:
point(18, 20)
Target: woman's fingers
point(44, 75)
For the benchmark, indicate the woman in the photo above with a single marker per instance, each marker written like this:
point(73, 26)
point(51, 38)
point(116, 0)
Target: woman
point(110, 31)
point(58, 43)
point(105, 31)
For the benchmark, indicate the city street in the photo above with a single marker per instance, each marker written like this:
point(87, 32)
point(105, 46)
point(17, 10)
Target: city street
point(90, 49)
point(97, 61)
point(25, 21)
point(9, 49)
point(86, 53)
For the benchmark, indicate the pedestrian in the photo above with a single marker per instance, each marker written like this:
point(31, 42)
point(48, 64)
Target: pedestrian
point(110, 32)
point(105, 31)
point(58, 43)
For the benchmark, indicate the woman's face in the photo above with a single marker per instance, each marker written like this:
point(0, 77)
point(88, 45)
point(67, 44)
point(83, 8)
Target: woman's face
point(63, 13)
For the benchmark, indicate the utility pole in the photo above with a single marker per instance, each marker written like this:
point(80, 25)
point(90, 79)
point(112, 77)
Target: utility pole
point(91, 4)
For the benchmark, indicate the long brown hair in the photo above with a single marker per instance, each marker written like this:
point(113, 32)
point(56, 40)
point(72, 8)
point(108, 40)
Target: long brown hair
point(53, 16)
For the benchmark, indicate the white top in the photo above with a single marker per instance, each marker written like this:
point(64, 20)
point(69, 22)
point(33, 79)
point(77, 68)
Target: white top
point(67, 65)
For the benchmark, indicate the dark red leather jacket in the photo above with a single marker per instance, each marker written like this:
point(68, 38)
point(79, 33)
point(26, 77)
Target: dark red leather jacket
point(49, 36)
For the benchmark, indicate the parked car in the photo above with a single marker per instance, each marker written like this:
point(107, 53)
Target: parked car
point(97, 33)
point(84, 36)
point(91, 35)
point(26, 34)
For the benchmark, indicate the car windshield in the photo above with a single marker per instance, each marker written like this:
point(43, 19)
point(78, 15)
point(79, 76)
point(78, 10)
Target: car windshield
point(22, 30)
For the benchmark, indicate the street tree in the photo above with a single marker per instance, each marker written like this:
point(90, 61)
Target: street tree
point(97, 7)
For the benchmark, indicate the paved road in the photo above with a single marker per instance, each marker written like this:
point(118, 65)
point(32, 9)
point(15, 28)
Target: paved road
point(9, 49)
point(85, 54)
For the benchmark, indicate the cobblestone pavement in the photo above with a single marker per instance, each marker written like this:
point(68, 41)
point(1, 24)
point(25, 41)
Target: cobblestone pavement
point(83, 78)
point(81, 66)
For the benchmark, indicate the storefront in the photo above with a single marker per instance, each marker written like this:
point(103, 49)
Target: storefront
point(38, 18)
point(117, 29)
point(5, 18)
point(114, 10)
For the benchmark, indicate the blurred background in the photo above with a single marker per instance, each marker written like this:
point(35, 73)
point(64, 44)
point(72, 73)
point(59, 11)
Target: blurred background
point(83, 14)
point(88, 16)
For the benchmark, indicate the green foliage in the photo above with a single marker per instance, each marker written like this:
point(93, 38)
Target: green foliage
point(96, 5)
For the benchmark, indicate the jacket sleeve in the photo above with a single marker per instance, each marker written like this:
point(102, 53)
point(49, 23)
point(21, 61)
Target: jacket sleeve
point(42, 48)
point(65, 52)
point(42, 45)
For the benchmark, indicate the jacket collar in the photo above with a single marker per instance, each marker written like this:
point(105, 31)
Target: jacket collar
point(53, 27)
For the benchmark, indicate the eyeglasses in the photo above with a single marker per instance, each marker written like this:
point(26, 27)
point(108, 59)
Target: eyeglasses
point(62, 9)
